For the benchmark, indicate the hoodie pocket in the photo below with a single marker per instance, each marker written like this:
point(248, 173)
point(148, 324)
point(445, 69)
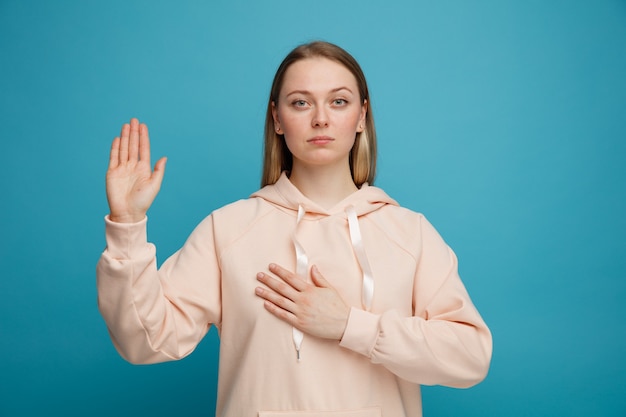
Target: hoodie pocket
point(361, 412)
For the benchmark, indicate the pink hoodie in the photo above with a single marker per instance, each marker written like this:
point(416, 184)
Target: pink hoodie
point(412, 321)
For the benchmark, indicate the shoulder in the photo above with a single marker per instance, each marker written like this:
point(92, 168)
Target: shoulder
point(237, 218)
point(397, 217)
point(406, 228)
point(394, 214)
point(240, 212)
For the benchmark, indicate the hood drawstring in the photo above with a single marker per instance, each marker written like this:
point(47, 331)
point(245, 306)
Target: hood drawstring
point(367, 293)
point(302, 264)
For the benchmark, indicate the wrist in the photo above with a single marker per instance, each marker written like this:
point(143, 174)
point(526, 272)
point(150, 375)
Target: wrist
point(127, 218)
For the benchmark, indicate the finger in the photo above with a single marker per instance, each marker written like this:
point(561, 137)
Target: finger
point(115, 153)
point(133, 144)
point(122, 130)
point(278, 286)
point(144, 143)
point(276, 299)
point(123, 154)
point(289, 277)
point(318, 279)
point(284, 315)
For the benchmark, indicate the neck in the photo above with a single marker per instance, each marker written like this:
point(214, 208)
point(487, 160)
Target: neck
point(326, 185)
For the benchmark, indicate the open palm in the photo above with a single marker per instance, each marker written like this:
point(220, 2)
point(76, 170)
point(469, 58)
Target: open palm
point(131, 184)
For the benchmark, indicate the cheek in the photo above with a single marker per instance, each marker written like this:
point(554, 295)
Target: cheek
point(356, 117)
point(291, 122)
point(351, 123)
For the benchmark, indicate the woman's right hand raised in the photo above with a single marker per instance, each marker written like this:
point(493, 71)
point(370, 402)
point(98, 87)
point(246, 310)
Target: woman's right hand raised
point(130, 182)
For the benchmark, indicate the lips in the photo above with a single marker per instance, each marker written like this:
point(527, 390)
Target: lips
point(320, 140)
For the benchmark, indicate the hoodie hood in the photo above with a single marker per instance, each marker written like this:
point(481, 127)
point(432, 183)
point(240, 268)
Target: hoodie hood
point(284, 195)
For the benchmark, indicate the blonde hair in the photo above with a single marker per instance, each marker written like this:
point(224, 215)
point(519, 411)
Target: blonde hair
point(276, 156)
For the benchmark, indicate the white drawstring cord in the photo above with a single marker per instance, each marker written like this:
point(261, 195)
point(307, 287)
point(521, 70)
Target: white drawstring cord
point(302, 263)
point(367, 293)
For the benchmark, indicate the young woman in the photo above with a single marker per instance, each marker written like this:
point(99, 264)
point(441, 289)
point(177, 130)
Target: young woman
point(329, 298)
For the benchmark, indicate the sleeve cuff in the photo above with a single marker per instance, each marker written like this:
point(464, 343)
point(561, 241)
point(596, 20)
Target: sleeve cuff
point(361, 332)
point(125, 240)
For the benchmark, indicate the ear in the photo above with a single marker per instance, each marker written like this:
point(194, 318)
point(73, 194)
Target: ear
point(277, 127)
point(361, 125)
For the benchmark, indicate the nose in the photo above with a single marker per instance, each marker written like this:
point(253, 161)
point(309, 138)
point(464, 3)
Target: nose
point(320, 118)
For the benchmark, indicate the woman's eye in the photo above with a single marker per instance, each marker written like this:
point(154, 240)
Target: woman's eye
point(299, 103)
point(340, 102)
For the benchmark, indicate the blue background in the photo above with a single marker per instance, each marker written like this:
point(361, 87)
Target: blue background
point(503, 121)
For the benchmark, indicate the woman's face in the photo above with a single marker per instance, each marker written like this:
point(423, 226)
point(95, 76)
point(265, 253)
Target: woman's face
point(319, 112)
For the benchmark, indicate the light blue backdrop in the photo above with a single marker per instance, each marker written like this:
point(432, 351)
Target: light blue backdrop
point(503, 121)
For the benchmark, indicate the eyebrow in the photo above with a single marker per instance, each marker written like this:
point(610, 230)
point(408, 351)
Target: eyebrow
point(306, 92)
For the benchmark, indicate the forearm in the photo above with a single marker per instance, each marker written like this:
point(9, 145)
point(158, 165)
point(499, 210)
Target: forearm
point(134, 336)
point(127, 279)
point(428, 352)
point(151, 314)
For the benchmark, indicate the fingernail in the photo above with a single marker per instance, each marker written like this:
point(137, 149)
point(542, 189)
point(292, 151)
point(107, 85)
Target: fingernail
point(259, 275)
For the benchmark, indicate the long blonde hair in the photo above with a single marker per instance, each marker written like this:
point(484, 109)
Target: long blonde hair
point(276, 156)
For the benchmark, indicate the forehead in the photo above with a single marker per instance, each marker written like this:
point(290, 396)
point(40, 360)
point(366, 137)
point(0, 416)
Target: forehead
point(318, 75)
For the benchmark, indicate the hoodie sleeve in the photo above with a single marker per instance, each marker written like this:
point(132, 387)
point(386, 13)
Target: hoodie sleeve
point(445, 342)
point(157, 315)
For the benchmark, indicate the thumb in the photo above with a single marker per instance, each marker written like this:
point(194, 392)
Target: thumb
point(159, 171)
point(318, 279)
